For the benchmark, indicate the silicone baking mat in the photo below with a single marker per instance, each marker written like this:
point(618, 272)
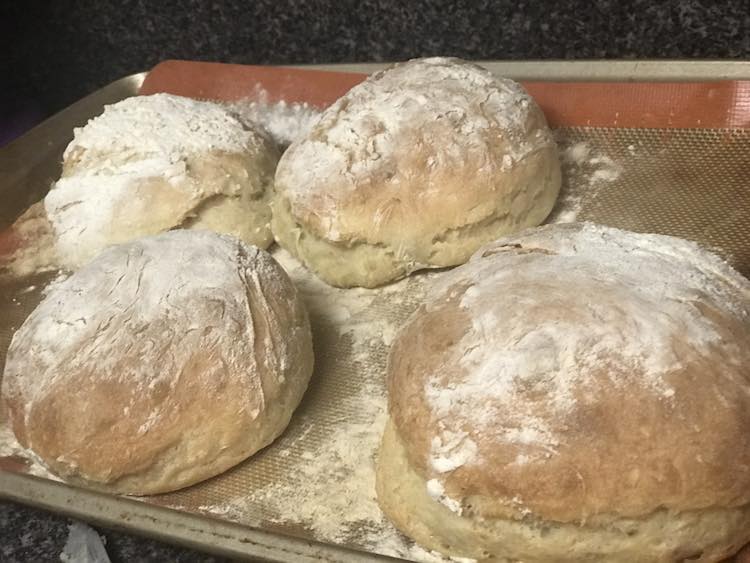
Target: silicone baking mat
point(668, 158)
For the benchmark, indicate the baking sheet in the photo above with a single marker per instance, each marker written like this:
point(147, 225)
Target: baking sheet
point(316, 481)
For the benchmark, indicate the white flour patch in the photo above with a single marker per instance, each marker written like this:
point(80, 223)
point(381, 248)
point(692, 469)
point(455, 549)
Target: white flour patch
point(451, 450)
point(162, 125)
point(60, 276)
point(586, 170)
point(284, 121)
point(9, 447)
point(607, 170)
point(436, 490)
point(332, 492)
point(524, 368)
point(349, 311)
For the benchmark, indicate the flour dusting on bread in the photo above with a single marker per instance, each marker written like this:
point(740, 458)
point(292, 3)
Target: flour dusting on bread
point(148, 164)
point(162, 124)
point(198, 345)
point(645, 286)
point(357, 136)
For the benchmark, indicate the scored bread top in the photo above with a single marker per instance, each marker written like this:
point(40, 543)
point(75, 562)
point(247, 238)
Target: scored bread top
point(576, 371)
point(161, 362)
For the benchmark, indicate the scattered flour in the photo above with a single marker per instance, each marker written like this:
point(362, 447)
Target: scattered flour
point(585, 171)
point(331, 484)
point(338, 506)
point(10, 448)
point(348, 311)
point(333, 492)
point(284, 121)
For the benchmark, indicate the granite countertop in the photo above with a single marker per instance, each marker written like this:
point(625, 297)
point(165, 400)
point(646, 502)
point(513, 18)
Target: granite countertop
point(27, 534)
point(57, 52)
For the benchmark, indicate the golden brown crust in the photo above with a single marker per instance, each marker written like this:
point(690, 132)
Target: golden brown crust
point(161, 363)
point(705, 535)
point(423, 162)
point(660, 420)
point(409, 201)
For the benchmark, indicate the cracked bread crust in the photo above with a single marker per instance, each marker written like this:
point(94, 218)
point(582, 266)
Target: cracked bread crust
point(153, 163)
point(577, 375)
point(162, 362)
point(414, 168)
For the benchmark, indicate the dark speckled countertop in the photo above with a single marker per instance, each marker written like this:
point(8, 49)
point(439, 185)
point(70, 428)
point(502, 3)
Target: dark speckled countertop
point(55, 52)
point(35, 536)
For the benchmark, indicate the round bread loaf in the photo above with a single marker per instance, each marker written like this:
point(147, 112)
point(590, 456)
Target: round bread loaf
point(161, 363)
point(574, 393)
point(153, 163)
point(414, 168)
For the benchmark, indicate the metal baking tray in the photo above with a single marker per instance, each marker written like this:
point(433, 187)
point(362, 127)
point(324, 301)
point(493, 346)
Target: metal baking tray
point(721, 220)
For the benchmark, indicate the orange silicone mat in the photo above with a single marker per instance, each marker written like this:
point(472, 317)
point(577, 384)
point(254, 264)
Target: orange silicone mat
point(706, 105)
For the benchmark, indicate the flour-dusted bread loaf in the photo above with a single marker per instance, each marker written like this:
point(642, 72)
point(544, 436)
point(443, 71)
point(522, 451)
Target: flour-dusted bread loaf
point(153, 163)
point(161, 363)
point(574, 393)
point(414, 168)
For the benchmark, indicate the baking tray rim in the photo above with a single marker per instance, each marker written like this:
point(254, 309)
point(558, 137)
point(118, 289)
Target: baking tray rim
point(619, 70)
point(221, 536)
